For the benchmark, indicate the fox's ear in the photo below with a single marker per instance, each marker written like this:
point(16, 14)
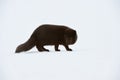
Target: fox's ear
point(70, 32)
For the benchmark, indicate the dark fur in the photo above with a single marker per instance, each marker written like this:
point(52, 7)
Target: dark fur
point(49, 35)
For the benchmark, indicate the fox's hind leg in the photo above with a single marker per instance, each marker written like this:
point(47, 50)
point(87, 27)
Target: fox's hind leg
point(41, 47)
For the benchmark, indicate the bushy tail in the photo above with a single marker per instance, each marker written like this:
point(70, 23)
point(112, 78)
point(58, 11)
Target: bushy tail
point(26, 46)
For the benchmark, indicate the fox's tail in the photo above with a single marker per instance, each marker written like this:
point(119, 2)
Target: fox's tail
point(26, 46)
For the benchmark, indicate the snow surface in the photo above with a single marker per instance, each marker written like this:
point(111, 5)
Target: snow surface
point(95, 56)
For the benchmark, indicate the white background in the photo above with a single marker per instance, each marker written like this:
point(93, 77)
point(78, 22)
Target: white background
point(95, 56)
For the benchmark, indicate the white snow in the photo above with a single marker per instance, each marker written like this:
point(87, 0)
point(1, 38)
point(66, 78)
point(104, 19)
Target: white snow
point(95, 56)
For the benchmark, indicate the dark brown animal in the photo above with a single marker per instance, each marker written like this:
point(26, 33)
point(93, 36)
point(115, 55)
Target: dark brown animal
point(49, 35)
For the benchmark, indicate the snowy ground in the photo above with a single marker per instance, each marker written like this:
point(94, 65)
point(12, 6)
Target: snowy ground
point(95, 56)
